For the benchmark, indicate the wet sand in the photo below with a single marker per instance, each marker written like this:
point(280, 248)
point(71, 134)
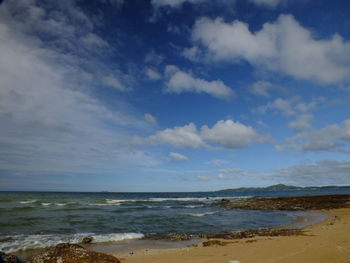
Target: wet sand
point(326, 242)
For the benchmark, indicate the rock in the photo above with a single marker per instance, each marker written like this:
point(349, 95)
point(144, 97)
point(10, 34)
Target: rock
point(211, 243)
point(179, 237)
point(8, 258)
point(73, 253)
point(254, 233)
point(87, 240)
point(293, 203)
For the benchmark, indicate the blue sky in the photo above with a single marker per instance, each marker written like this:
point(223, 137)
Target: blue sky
point(173, 95)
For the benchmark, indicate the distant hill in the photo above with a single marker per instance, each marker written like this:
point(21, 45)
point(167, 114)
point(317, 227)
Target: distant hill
point(279, 187)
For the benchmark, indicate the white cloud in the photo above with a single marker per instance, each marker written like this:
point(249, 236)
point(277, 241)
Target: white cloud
point(332, 138)
point(231, 173)
point(283, 46)
point(302, 123)
point(309, 106)
point(291, 106)
point(178, 157)
point(218, 162)
point(227, 134)
point(180, 82)
point(50, 123)
point(283, 105)
point(114, 83)
point(326, 172)
point(267, 3)
point(152, 74)
point(262, 88)
point(230, 134)
point(154, 58)
point(185, 136)
point(150, 118)
point(173, 3)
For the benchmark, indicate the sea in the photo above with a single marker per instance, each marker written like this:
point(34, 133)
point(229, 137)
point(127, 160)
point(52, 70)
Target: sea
point(35, 220)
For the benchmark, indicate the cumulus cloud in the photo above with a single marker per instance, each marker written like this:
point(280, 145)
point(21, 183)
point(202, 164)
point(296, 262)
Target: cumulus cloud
point(284, 46)
point(325, 172)
point(150, 118)
point(180, 81)
point(178, 157)
point(332, 138)
point(230, 134)
point(185, 136)
point(291, 106)
point(227, 134)
point(152, 74)
point(113, 82)
point(262, 88)
point(279, 104)
point(302, 123)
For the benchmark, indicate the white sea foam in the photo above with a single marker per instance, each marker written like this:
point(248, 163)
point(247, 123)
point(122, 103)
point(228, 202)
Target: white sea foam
point(103, 204)
point(177, 199)
point(193, 206)
point(46, 204)
point(201, 214)
point(24, 242)
point(28, 201)
point(116, 201)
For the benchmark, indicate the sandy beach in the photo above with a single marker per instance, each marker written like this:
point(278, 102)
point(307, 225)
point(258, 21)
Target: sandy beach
point(328, 241)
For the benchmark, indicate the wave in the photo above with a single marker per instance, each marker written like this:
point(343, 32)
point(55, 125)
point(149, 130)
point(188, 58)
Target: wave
point(177, 199)
point(117, 202)
point(202, 214)
point(193, 206)
point(28, 201)
point(10, 244)
point(103, 204)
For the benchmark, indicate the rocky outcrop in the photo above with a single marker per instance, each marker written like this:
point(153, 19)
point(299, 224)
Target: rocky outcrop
point(214, 242)
point(73, 253)
point(87, 240)
point(267, 232)
point(172, 237)
point(8, 258)
point(295, 203)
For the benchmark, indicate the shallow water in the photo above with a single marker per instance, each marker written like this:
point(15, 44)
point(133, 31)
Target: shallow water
point(36, 220)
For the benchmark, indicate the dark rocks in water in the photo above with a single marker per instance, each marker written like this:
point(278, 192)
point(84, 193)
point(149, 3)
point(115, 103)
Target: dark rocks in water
point(214, 242)
point(294, 203)
point(179, 237)
point(253, 233)
point(8, 258)
point(87, 240)
point(73, 253)
point(171, 237)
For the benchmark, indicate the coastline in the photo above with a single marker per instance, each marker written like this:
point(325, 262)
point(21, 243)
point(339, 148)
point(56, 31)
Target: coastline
point(313, 228)
point(325, 241)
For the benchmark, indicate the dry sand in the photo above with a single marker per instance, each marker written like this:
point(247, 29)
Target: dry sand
point(326, 242)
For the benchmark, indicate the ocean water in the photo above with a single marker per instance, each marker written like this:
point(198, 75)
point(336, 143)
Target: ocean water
point(30, 220)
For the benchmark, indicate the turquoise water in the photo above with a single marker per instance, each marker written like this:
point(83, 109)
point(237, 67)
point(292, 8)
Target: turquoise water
point(35, 220)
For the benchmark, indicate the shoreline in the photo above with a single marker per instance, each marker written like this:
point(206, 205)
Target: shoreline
point(320, 243)
point(179, 241)
point(302, 227)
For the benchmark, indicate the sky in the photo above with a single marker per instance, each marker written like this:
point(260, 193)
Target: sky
point(173, 95)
